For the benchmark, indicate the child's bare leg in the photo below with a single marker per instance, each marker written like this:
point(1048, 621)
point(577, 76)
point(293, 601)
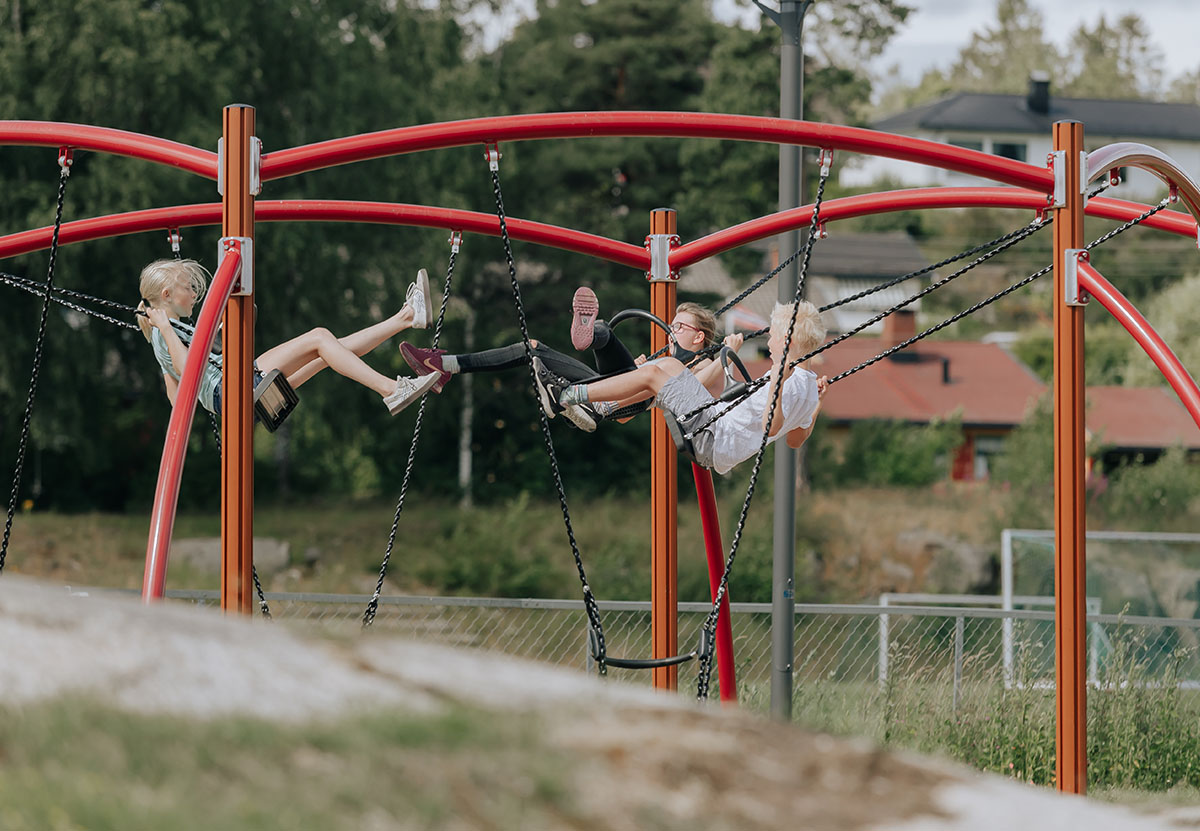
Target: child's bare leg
point(360, 343)
point(320, 346)
point(638, 385)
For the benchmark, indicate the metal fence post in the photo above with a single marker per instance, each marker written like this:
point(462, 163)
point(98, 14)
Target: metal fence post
point(883, 642)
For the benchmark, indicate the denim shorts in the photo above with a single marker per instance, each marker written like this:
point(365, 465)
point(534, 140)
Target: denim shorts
point(258, 376)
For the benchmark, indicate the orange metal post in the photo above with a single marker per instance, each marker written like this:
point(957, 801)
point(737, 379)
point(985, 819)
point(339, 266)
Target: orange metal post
point(237, 390)
point(664, 565)
point(1069, 515)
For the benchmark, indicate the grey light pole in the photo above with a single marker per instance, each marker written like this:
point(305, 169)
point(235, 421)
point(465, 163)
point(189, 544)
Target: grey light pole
point(790, 20)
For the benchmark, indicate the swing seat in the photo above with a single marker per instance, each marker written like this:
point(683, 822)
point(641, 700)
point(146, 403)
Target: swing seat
point(274, 400)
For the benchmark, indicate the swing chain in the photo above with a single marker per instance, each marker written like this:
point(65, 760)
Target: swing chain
point(372, 609)
point(704, 673)
point(589, 600)
point(64, 161)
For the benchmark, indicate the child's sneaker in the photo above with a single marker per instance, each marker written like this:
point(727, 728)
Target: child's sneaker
point(409, 390)
point(550, 388)
point(426, 360)
point(584, 308)
point(420, 301)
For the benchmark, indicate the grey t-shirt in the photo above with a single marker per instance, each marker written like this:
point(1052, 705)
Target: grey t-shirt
point(211, 379)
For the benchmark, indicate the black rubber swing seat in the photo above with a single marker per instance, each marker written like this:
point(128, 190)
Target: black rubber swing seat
point(703, 648)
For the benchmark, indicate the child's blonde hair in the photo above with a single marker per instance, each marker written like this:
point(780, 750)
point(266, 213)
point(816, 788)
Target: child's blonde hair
point(706, 321)
point(809, 332)
point(163, 275)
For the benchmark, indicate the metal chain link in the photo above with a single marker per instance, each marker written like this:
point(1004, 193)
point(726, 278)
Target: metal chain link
point(64, 173)
point(373, 604)
point(589, 600)
point(704, 673)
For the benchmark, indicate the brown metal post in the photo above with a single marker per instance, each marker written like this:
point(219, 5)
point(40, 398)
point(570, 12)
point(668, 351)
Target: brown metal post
point(1070, 574)
point(237, 389)
point(664, 556)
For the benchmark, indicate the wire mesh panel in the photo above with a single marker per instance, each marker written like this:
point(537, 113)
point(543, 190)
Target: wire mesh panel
point(855, 654)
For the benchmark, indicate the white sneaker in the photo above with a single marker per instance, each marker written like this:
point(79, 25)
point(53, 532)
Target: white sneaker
point(408, 390)
point(420, 301)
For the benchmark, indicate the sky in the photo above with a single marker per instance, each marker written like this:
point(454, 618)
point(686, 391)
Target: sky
point(938, 29)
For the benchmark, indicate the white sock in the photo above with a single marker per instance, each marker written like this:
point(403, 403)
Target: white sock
point(450, 363)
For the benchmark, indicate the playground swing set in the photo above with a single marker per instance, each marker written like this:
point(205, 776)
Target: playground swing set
point(1058, 191)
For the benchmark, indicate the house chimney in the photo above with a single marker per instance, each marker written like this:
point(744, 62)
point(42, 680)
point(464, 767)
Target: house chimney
point(1038, 99)
point(899, 326)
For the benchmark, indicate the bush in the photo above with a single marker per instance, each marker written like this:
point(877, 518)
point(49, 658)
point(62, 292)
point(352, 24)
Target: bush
point(896, 453)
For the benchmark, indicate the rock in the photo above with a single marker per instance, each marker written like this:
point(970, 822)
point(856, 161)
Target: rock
point(204, 553)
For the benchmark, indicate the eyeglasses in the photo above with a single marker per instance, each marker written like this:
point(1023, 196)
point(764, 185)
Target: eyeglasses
point(679, 326)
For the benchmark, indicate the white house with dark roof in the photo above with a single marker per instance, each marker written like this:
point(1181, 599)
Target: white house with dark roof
point(1018, 127)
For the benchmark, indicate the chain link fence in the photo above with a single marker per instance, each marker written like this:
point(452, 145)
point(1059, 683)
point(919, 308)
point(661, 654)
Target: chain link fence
point(851, 651)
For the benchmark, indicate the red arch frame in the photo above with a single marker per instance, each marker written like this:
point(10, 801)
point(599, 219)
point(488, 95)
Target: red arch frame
point(566, 125)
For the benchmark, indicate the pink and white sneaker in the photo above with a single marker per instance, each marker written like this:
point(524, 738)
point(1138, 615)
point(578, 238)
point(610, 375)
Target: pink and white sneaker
point(584, 308)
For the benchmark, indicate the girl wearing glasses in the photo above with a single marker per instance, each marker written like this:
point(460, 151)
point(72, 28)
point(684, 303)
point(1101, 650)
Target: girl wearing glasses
point(694, 328)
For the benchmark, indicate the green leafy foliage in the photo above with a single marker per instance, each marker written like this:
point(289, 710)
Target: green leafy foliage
point(880, 452)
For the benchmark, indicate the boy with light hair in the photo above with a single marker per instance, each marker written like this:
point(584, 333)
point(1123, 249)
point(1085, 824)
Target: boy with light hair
point(734, 436)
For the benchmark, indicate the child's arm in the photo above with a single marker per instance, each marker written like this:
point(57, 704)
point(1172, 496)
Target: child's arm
point(777, 379)
point(710, 374)
point(175, 347)
point(172, 388)
point(797, 437)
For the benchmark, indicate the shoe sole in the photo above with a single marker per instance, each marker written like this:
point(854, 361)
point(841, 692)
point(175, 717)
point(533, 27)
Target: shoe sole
point(424, 384)
point(579, 418)
point(584, 308)
point(543, 398)
point(423, 287)
point(420, 368)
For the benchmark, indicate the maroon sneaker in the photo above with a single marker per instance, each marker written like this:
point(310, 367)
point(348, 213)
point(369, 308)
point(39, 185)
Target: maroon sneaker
point(424, 361)
point(584, 307)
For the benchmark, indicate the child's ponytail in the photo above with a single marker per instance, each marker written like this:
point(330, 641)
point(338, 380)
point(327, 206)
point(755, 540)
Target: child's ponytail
point(143, 320)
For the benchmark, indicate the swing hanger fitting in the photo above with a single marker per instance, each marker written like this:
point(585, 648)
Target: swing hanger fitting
point(492, 154)
point(825, 160)
point(455, 241)
point(66, 158)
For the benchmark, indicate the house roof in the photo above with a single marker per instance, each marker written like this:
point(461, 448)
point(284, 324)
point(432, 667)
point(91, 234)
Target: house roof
point(929, 380)
point(1133, 418)
point(992, 113)
point(992, 388)
point(845, 264)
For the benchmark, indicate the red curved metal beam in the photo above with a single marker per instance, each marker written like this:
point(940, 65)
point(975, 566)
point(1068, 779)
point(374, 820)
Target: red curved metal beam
point(107, 140)
point(170, 469)
point(640, 123)
point(715, 553)
point(910, 200)
point(184, 216)
point(1133, 321)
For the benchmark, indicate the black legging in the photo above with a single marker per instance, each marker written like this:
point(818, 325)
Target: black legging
point(611, 357)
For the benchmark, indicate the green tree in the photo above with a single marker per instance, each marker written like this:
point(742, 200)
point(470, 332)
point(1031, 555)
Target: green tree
point(1172, 314)
point(1114, 61)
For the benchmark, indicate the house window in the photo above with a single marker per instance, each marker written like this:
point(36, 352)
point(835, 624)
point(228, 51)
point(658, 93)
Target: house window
point(1009, 149)
point(967, 144)
point(987, 448)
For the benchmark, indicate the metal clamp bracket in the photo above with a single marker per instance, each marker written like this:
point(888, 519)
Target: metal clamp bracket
point(455, 241)
point(244, 245)
point(492, 154)
point(660, 246)
point(1073, 295)
point(175, 238)
point(1084, 178)
point(1057, 162)
point(1114, 177)
point(255, 166)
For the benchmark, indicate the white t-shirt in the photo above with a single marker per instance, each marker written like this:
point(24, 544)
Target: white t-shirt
point(738, 433)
